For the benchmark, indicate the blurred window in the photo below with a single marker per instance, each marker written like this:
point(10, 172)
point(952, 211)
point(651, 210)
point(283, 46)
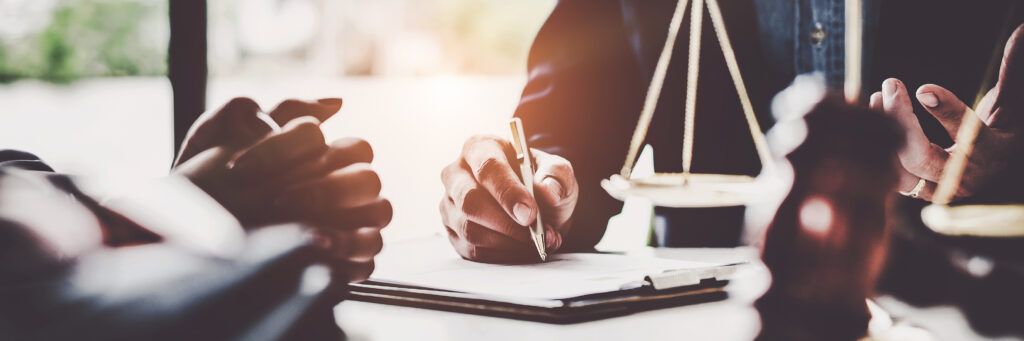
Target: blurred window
point(83, 82)
point(83, 85)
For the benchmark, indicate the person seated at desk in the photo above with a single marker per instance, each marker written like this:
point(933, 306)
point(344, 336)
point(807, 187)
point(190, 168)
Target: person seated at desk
point(589, 69)
point(134, 266)
point(591, 64)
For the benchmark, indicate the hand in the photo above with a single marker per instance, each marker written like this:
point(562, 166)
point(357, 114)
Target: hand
point(268, 177)
point(999, 142)
point(486, 208)
point(235, 157)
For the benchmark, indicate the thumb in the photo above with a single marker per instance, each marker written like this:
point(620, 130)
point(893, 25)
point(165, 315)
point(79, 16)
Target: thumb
point(235, 125)
point(919, 155)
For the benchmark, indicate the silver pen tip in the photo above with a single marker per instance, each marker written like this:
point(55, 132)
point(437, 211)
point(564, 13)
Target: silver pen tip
point(538, 241)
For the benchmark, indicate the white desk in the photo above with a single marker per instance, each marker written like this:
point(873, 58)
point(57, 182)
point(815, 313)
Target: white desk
point(732, 319)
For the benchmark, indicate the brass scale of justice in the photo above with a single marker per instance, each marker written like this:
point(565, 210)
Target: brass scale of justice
point(688, 189)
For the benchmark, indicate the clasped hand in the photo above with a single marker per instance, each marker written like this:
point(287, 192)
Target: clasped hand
point(264, 176)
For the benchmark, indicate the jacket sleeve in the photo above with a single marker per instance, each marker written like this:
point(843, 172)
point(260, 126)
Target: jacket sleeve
point(581, 101)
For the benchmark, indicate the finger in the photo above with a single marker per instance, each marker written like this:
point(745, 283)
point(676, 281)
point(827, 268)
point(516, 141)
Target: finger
point(350, 272)
point(348, 151)
point(458, 183)
point(234, 125)
point(488, 255)
point(300, 141)
point(555, 187)
point(909, 181)
point(340, 154)
point(875, 103)
point(919, 155)
point(487, 160)
point(474, 233)
point(553, 238)
point(377, 214)
point(1008, 100)
point(292, 108)
point(349, 187)
point(944, 106)
point(478, 206)
point(365, 244)
point(350, 251)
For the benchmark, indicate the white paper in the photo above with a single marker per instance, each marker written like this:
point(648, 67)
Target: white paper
point(562, 276)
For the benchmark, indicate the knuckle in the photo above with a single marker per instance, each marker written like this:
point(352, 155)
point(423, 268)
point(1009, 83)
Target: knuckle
point(241, 103)
point(309, 132)
point(442, 207)
point(473, 235)
point(366, 178)
point(449, 171)
point(490, 165)
point(505, 192)
point(461, 227)
point(475, 140)
point(562, 169)
point(363, 147)
point(291, 102)
point(374, 244)
point(373, 181)
point(289, 106)
point(470, 200)
point(361, 271)
point(509, 228)
point(385, 214)
point(473, 252)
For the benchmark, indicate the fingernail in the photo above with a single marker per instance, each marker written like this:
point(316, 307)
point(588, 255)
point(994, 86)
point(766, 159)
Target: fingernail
point(554, 186)
point(928, 99)
point(522, 213)
point(889, 87)
point(334, 102)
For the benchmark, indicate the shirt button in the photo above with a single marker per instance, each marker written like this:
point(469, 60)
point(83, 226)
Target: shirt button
point(818, 34)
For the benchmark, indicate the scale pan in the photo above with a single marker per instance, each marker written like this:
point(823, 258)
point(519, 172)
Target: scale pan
point(975, 220)
point(684, 190)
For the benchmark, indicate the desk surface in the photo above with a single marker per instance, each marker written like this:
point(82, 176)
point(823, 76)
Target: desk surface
point(732, 319)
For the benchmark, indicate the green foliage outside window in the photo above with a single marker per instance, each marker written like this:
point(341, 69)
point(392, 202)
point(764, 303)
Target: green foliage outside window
point(90, 38)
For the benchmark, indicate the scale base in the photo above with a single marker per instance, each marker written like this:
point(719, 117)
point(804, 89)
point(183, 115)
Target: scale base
point(684, 189)
point(975, 220)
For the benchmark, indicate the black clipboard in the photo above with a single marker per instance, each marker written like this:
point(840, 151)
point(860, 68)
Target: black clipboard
point(562, 311)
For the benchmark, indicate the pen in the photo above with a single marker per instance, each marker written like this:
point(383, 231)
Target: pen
point(526, 173)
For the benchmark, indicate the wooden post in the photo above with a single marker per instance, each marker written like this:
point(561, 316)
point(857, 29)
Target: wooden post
point(186, 64)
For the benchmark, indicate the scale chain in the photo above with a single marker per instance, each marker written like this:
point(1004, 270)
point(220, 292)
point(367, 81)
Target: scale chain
point(693, 69)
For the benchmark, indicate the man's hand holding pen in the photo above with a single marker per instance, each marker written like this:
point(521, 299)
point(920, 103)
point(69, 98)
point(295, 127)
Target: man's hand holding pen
point(487, 209)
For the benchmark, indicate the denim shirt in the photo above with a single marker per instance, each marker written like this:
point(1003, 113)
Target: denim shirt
point(809, 35)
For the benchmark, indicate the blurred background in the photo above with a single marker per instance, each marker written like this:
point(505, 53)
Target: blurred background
point(83, 83)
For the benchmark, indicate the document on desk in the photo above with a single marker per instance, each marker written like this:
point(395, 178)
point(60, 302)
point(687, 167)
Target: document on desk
point(563, 276)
